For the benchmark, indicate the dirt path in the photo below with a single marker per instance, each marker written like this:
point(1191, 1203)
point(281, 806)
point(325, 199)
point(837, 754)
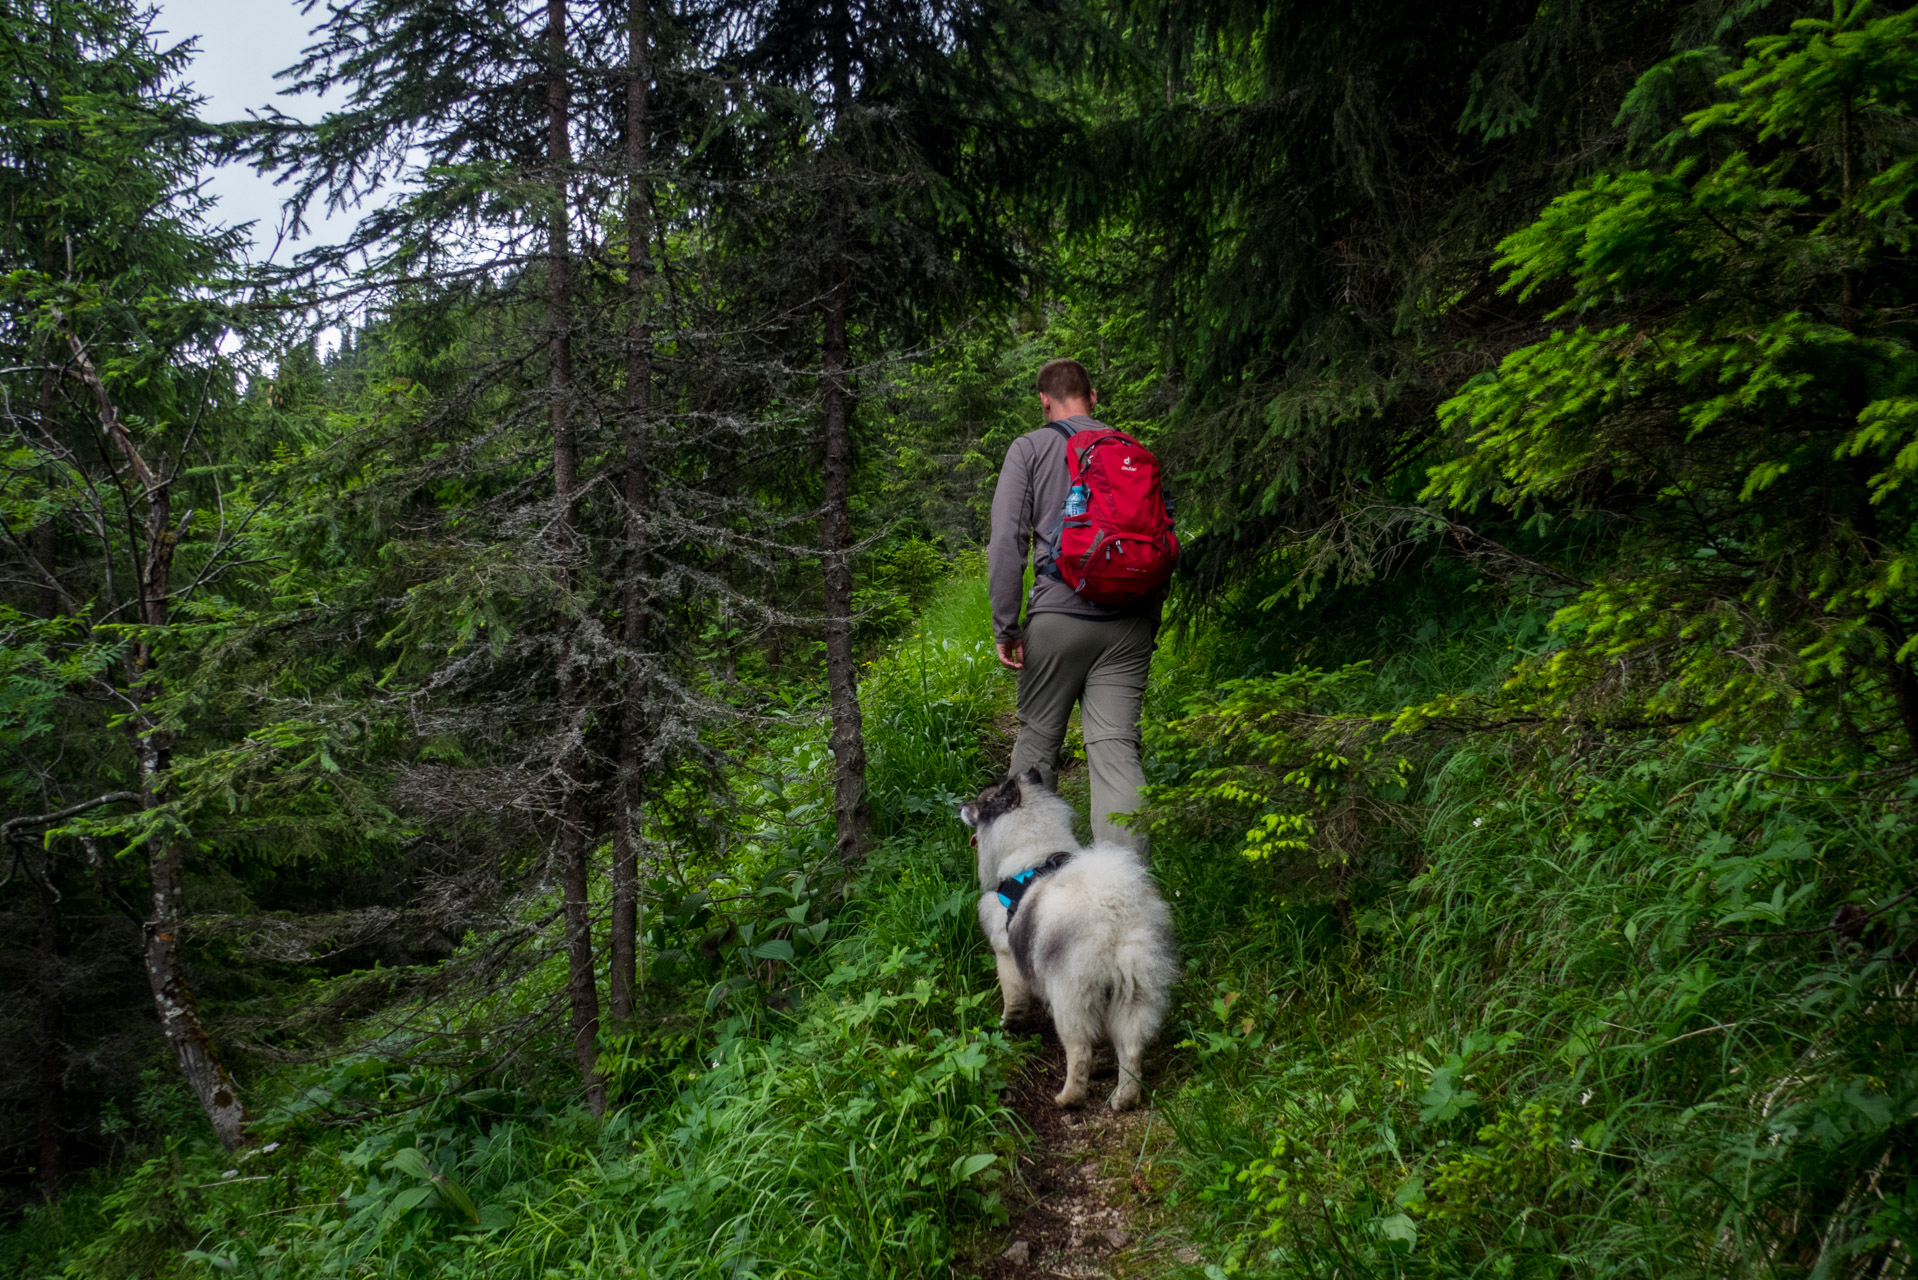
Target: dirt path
point(1085, 1203)
point(1086, 1198)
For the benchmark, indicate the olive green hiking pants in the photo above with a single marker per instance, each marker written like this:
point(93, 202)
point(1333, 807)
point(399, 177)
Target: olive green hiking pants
point(1102, 666)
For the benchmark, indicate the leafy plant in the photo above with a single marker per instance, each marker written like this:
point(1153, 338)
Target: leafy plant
point(1319, 787)
point(1726, 384)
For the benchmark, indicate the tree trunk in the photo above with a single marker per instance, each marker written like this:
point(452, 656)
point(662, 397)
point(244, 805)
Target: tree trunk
point(1898, 672)
point(47, 539)
point(1848, 275)
point(179, 1013)
point(851, 813)
point(166, 973)
point(574, 845)
point(47, 981)
point(44, 552)
point(625, 975)
point(47, 984)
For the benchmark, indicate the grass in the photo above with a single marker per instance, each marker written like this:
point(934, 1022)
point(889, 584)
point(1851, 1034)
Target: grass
point(1589, 1021)
point(928, 706)
point(833, 1116)
point(858, 1134)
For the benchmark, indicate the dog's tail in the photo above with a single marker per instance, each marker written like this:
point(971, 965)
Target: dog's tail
point(1139, 990)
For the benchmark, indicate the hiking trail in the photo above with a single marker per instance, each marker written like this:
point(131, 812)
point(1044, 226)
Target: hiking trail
point(1085, 1198)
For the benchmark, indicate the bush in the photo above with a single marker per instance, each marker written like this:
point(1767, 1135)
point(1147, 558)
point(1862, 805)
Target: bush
point(1637, 1015)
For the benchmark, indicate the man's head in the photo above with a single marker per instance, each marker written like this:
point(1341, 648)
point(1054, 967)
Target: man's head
point(1065, 390)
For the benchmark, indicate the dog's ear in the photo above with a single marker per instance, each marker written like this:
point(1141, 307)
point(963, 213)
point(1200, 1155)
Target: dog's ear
point(994, 802)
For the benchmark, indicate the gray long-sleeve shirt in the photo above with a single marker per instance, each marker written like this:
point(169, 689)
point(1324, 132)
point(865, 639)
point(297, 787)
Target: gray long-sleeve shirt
point(1029, 502)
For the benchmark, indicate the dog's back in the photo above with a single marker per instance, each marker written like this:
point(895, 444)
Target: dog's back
point(1082, 930)
point(1094, 940)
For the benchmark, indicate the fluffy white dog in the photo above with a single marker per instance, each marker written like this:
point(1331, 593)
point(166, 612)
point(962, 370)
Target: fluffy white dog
point(1083, 930)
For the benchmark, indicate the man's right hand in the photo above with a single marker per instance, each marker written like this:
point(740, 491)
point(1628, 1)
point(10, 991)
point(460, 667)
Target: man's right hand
point(1012, 654)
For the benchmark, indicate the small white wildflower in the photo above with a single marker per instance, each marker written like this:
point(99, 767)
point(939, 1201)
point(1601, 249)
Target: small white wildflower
point(1585, 1098)
point(1478, 822)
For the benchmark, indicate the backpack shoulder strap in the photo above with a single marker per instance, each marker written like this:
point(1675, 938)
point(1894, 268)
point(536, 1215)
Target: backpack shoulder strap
point(1062, 429)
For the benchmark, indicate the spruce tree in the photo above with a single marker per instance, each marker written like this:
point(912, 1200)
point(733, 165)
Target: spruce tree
point(1304, 203)
point(489, 97)
point(878, 198)
point(634, 731)
point(539, 222)
point(1726, 390)
point(116, 385)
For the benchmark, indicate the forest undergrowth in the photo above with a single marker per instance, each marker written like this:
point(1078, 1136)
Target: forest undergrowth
point(811, 1088)
point(1532, 741)
point(1623, 1009)
point(1586, 1017)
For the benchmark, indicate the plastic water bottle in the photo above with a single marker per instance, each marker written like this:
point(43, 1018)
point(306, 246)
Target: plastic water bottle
point(1076, 501)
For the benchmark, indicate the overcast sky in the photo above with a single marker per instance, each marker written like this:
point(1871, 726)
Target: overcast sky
point(241, 44)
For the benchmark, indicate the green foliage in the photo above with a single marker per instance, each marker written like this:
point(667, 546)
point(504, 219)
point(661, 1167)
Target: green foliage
point(1631, 1011)
point(1548, 905)
point(900, 581)
point(1315, 784)
point(812, 1086)
point(852, 1133)
point(1731, 392)
point(1295, 207)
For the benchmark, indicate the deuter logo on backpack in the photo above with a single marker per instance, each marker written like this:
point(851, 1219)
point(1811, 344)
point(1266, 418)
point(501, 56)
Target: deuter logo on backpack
point(1114, 544)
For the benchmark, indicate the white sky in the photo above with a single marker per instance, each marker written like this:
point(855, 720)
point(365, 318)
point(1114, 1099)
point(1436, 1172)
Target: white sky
point(242, 43)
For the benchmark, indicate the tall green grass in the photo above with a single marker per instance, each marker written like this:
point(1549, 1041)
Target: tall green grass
point(819, 1109)
point(929, 705)
point(1592, 1021)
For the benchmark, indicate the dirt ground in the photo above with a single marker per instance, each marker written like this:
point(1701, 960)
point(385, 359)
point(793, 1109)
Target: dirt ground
point(1085, 1200)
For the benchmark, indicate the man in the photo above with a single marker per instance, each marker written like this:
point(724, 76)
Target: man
point(1069, 649)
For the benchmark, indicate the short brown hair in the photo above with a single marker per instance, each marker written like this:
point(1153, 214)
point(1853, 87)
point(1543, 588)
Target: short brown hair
point(1065, 380)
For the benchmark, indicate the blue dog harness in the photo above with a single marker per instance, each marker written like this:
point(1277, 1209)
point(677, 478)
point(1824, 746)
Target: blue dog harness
point(1013, 888)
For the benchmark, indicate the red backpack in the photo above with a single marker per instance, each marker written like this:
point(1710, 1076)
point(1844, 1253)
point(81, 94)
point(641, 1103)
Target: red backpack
point(1114, 544)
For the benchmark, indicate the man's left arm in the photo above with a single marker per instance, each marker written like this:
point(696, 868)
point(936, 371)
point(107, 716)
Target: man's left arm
point(1008, 546)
